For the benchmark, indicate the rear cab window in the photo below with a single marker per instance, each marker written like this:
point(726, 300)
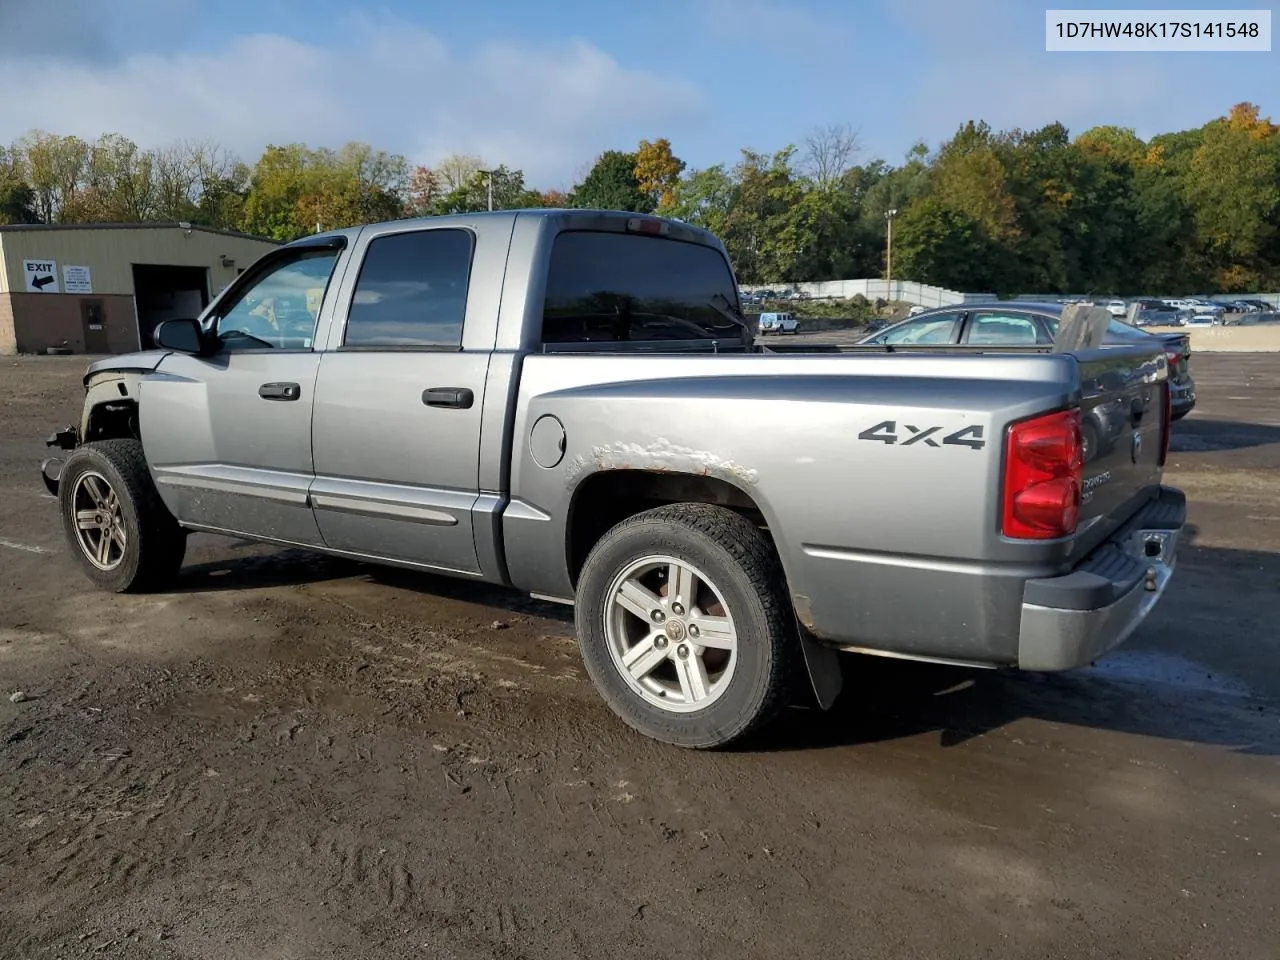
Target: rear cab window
point(628, 288)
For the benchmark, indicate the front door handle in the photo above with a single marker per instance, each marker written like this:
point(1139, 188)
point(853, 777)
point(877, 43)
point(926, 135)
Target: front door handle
point(460, 398)
point(280, 391)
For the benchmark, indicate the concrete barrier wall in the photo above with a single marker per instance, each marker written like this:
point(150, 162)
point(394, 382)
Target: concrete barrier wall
point(1263, 338)
point(905, 291)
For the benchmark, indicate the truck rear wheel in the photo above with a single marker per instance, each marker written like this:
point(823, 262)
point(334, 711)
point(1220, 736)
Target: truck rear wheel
point(684, 625)
point(118, 528)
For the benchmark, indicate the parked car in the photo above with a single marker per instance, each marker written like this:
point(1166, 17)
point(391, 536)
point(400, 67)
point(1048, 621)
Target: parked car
point(778, 323)
point(1117, 308)
point(916, 310)
point(1035, 323)
point(570, 403)
point(1157, 313)
point(1198, 305)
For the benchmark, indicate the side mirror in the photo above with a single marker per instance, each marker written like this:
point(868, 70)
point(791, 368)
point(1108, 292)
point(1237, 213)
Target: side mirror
point(184, 336)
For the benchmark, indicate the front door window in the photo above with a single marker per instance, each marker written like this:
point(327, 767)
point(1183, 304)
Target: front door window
point(279, 311)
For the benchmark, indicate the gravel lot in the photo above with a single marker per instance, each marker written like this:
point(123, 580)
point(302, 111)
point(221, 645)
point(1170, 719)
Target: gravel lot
point(298, 757)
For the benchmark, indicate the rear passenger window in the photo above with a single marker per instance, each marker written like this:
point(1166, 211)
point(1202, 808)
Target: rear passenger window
point(412, 291)
point(618, 287)
point(997, 329)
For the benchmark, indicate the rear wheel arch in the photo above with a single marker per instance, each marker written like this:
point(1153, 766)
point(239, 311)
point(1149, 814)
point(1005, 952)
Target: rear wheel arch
point(605, 499)
point(703, 656)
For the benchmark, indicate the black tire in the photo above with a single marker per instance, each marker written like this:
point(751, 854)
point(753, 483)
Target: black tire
point(154, 543)
point(744, 568)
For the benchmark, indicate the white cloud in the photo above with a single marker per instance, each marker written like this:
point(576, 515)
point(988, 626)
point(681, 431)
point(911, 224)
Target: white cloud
point(397, 86)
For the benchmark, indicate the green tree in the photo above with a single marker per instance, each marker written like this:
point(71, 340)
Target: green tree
point(509, 193)
point(780, 227)
point(704, 198)
point(295, 190)
point(873, 189)
point(1233, 189)
point(17, 199)
point(937, 244)
point(54, 166)
point(611, 184)
point(118, 185)
point(281, 178)
point(969, 177)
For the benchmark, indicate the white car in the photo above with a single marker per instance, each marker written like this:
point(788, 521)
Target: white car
point(1117, 308)
point(915, 311)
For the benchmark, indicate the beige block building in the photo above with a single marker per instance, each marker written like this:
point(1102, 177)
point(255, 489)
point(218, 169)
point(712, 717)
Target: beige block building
point(102, 288)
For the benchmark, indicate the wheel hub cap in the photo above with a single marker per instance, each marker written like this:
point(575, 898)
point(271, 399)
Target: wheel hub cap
point(100, 529)
point(670, 634)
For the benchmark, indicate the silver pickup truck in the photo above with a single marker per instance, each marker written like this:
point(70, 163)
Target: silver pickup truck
point(570, 403)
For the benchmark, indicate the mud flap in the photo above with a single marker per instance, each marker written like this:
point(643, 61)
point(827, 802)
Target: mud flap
point(823, 665)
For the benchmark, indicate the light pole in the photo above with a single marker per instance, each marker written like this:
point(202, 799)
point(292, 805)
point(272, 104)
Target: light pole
point(489, 176)
point(888, 271)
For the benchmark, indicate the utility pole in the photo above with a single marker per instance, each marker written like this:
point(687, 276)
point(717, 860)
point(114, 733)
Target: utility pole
point(489, 176)
point(888, 271)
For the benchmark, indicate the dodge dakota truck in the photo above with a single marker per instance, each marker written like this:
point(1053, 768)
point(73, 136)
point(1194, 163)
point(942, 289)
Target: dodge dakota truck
point(570, 403)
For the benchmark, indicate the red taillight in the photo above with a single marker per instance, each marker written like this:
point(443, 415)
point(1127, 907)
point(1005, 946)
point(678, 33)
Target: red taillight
point(1043, 474)
point(1166, 425)
point(1174, 357)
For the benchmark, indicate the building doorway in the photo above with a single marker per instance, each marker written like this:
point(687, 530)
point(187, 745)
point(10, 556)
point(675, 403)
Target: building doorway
point(95, 328)
point(162, 292)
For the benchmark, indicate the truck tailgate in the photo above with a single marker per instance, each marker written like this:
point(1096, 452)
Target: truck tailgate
point(1123, 419)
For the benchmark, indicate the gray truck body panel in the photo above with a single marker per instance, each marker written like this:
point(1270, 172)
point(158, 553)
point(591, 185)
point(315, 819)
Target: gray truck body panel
point(888, 546)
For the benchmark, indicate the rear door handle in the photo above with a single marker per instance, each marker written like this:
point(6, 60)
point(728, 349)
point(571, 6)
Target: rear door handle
point(460, 398)
point(280, 391)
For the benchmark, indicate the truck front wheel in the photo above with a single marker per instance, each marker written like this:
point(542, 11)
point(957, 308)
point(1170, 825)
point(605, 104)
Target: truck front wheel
point(118, 528)
point(684, 625)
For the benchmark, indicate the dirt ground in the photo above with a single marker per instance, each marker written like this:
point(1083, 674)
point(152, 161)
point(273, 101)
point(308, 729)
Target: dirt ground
point(294, 757)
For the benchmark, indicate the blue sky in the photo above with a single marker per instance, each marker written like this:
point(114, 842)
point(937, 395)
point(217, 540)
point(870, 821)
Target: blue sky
point(546, 86)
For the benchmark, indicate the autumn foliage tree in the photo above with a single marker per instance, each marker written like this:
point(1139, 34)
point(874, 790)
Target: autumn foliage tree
point(657, 173)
